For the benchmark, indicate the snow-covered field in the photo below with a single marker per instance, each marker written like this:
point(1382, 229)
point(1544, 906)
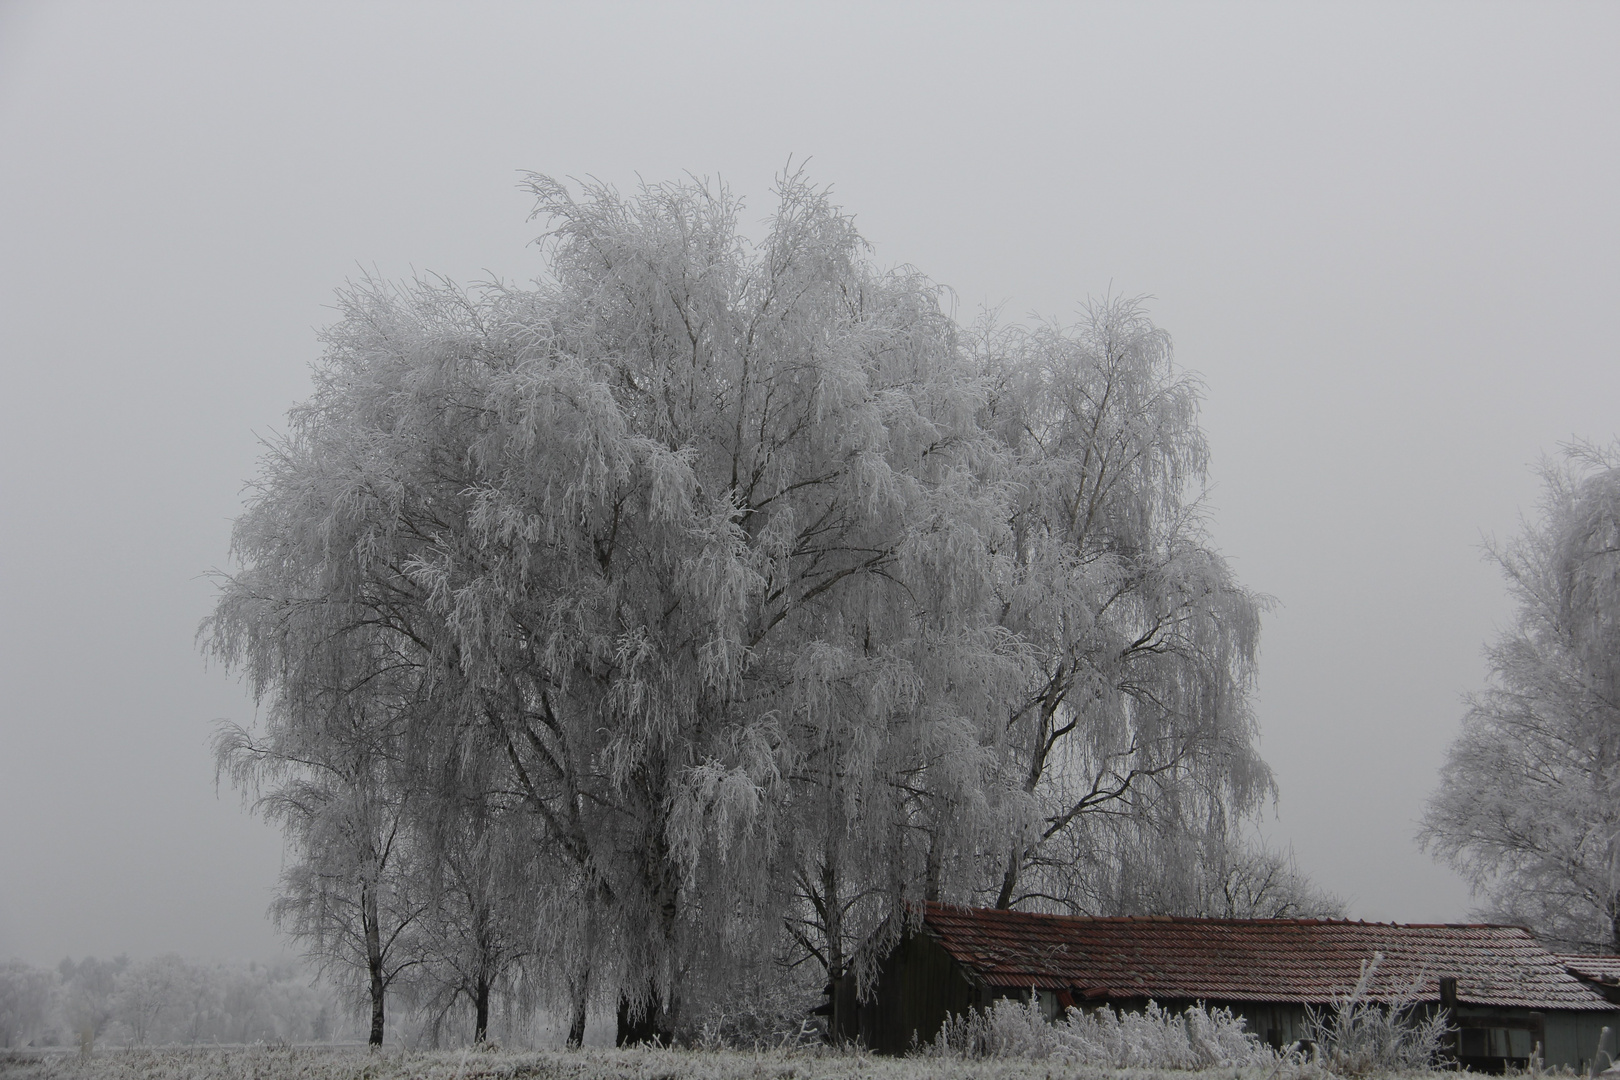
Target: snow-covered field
point(301, 1063)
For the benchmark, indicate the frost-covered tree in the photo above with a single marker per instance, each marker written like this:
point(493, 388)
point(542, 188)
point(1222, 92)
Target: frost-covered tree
point(1250, 882)
point(25, 1001)
point(343, 669)
point(329, 771)
point(743, 591)
point(799, 461)
point(152, 993)
point(89, 988)
point(1528, 805)
point(1119, 866)
point(480, 883)
point(607, 527)
point(1144, 642)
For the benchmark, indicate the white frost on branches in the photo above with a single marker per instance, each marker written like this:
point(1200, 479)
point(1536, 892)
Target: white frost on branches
point(710, 600)
point(1529, 799)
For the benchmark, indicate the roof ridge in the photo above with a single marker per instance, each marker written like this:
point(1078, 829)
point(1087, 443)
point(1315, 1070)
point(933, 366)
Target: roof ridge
point(979, 912)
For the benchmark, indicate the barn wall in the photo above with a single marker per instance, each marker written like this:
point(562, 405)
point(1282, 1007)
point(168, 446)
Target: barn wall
point(1277, 1024)
point(1572, 1037)
point(918, 987)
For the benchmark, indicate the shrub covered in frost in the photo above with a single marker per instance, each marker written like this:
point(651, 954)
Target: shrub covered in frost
point(1359, 1036)
point(762, 1008)
point(1155, 1039)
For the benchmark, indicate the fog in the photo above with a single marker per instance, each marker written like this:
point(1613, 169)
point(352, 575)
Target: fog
point(1385, 237)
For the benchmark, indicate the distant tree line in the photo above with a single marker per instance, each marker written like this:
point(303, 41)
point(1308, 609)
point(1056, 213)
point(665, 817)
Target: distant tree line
point(666, 628)
point(163, 1001)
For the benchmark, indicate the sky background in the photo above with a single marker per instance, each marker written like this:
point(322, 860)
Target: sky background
point(1387, 237)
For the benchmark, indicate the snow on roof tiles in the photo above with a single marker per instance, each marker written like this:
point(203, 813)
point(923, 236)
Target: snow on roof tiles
point(1603, 969)
point(1311, 961)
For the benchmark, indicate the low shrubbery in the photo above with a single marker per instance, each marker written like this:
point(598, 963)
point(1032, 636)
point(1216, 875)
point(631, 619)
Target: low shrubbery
point(1360, 1036)
point(1155, 1039)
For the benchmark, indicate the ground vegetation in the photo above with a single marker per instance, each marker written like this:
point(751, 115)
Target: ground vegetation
point(598, 1063)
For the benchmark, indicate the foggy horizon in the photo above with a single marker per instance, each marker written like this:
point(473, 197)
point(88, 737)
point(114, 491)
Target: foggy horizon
point(1384, 238)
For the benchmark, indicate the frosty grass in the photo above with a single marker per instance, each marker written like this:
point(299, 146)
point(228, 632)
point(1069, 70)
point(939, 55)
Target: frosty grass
point(310, 1063)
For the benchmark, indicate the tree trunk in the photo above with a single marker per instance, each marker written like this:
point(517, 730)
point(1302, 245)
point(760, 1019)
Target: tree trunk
point(932, 871)
point(374, 961)
point(655, 1020)
point(582, 997)
point(834, 915)
point(1009, 880)
point(653, 1024)
point(481, 1007)
point(376, 1006)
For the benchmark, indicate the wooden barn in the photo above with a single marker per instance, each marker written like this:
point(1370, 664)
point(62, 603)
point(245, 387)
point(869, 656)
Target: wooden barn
point(1504, 991)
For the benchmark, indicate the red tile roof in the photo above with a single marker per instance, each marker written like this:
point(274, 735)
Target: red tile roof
point(1603, 969)
point(1310, 961)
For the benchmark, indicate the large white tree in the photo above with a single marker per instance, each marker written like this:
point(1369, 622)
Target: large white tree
point(1528, 805)
point(765, 594)
point(624, 531)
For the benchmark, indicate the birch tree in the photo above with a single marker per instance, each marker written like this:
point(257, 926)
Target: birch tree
point(349, 893)
point(1528, 805)
point(1145, 642)
point(341, 688)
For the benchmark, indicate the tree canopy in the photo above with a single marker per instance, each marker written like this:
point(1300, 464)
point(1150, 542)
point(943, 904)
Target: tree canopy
point(1528, 805)
point(709, 600)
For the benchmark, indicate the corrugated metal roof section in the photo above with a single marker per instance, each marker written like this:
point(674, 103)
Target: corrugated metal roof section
point(1293, 960)
point(1603, 969)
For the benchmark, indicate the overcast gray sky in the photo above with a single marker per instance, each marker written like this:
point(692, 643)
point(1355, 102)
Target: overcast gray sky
point(1388, 237)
